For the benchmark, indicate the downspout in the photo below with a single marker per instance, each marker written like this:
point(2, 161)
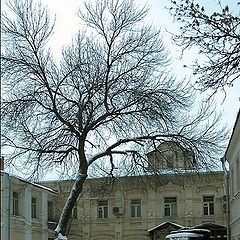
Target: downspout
point(9, 207)
point(223, 160)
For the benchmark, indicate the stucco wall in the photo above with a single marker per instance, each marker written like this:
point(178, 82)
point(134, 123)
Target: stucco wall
point(189, 190)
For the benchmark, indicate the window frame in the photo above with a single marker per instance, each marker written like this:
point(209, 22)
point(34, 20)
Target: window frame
point(136, 208)
point(34, 208)
point(208, 205)
point(16, 203)
point(102, 209)
point(170, 205)
point(50, 206)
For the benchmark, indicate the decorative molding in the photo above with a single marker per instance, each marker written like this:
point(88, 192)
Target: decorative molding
point(210, 189)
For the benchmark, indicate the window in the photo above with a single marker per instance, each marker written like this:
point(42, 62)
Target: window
point(50, 211)
point(136, 208)
point(74, 212)
point(208, 205)
point(34, 208)
point(170, 206)
point(103, 209)
point(15, 203)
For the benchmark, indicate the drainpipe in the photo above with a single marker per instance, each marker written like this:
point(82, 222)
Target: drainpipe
point(223, 160)
point(6, 177)
point(9, 207)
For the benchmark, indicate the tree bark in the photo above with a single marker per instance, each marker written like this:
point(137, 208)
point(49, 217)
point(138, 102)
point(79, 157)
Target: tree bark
point(72, 198)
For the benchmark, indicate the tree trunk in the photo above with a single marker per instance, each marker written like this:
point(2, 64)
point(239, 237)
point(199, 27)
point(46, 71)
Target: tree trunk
point(67, 209)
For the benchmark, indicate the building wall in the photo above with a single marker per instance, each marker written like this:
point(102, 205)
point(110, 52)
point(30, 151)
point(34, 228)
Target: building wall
point(5, 206)
point(170, 155)
point(21, 225)
point(233, 157)
point(151, 191)
point(189, 190)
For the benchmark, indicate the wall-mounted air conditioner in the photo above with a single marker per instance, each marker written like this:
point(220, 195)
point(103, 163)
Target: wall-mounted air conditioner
point(118, 210)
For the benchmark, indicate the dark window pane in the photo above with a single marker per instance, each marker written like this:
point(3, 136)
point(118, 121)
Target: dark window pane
point(174, 209)
point(105, 212)
point(170, 207)
point(205, 210)
point(139, 211)
point(103, 203)
point(211, 206)
point(167, 211)
point(34, 208)
point(136, 208)
point(208, 198)
point(50, 211)
point(133, 211)
point(15, 203)
point(208, 205)
point(103, 209)
point(170, 200)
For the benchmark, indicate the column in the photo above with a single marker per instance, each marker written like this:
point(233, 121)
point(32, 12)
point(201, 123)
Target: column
point(27, 212)
point(5, 206)
point(44, 215)
point(86, 218)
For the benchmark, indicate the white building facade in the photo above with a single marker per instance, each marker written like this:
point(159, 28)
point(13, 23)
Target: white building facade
point(233, 158)
point(127, 208)
point(25, 209)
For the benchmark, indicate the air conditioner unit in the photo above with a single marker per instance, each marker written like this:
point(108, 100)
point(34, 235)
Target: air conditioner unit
point(118, 210)
point(224, 198)
point(224, 207)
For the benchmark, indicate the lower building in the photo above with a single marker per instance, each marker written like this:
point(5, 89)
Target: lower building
point(128, 207)
point(160, 231)
point(26, 209)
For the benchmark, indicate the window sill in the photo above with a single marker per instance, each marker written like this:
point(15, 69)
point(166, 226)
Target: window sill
point(51, 225)
point(17, 216)
point(36, 220)
point(136, 223)
point(51, 221)
point(103, 224)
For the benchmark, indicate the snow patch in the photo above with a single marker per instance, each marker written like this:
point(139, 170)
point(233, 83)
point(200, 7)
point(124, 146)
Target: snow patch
point(60, 237)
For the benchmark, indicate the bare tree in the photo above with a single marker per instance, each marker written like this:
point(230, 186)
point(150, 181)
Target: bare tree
point(111, 95)
point(216, 35)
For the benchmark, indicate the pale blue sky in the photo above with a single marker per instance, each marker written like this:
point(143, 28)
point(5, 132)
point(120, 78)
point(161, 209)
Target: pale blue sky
point(67, 24)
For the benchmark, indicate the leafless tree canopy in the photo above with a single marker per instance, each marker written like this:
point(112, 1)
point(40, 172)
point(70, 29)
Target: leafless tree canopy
point(109, 96)
point(216, 34)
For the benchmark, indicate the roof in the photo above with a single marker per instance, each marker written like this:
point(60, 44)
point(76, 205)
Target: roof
point(31, 183)
point(210, 226)
point(215, 229)
point(166, 174)
point(165, 225)
point(184, 235)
